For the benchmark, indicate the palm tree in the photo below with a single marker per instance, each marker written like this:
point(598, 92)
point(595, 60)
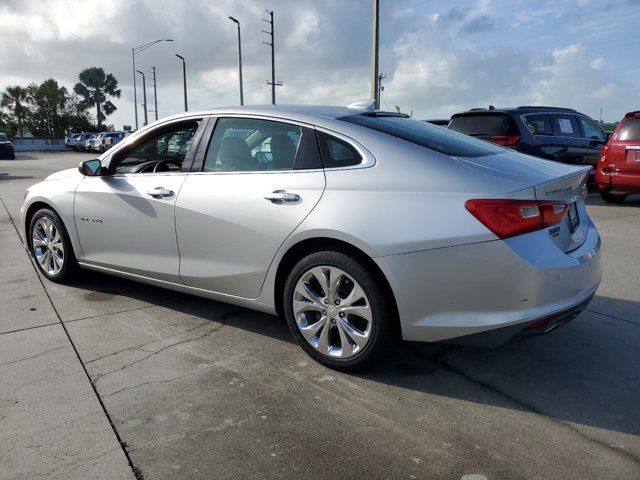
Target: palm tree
point(14, 99)
point(95, 86)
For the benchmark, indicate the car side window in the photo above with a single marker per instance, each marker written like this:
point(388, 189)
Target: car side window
point(163, 152)
point(565, 126)
point(538, 124)
point(249, 145)
point(336, 152)
point(591, 130)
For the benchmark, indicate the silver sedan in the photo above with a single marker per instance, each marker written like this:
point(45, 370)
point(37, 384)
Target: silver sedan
point(348, 222)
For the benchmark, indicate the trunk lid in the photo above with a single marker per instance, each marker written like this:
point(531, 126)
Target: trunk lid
point(551, 181)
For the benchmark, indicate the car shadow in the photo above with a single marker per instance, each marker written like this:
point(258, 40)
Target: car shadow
point(631, 201)
point(584, 373)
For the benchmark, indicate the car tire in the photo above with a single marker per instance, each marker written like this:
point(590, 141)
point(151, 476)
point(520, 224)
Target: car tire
point(12, 156)
point(60, 265)
point(613, 197)
point(364, 337)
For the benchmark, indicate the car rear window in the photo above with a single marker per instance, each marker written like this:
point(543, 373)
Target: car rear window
point(630, 130)
point(337, 153)
point(484, 125)
point(426, 135)
point(3, 137)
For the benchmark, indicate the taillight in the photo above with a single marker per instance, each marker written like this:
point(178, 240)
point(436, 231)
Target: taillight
point(505, 140)
point(507, 218)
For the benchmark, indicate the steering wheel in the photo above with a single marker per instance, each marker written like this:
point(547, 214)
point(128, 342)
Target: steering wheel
point(165, 163)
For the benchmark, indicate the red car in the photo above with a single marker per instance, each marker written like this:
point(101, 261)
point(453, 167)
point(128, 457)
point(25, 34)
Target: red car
point(618, 170)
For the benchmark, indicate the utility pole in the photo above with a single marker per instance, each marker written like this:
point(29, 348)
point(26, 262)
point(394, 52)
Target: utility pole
point(155, 93)
point(273, 60)
point(184, 80)
point(239, 59)
point(375, 92)
point(144, 92)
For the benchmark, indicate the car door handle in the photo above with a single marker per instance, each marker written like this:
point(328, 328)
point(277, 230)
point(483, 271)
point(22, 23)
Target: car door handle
point(160, 192)
point(282, 196)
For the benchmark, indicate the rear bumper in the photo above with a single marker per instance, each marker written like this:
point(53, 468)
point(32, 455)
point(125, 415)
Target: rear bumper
point(522, 331)
point(452, 293)
point(619, 182)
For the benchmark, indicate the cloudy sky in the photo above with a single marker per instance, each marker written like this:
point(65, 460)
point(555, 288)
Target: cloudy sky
point(439, 56)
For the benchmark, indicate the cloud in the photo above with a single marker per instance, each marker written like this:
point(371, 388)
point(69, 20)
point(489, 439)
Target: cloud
point(597, 63)
point(438, 58)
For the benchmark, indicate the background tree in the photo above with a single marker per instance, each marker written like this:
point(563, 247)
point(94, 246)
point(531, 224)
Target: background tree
point(95, 86)
point(14, 99)
point(47, 114)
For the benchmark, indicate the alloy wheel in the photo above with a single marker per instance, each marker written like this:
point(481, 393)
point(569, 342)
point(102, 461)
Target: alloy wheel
point(47, 245)
point(332, 312)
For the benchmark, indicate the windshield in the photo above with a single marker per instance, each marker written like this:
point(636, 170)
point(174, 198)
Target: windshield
point(3, 137)
point(426, 135)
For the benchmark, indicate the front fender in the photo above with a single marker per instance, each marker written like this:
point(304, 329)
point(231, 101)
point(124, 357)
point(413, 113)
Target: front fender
point(59, 196)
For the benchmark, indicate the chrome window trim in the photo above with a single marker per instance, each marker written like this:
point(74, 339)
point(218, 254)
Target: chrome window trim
point(368, 159)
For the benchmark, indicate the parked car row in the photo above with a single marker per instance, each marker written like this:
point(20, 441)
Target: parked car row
point(94, 142)
point(564, 135)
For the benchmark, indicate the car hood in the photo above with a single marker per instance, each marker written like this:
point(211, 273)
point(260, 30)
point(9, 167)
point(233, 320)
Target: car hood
point(551, 180)
point(64, 174)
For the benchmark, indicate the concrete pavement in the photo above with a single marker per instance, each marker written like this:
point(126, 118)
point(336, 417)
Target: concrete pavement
point(200, 389)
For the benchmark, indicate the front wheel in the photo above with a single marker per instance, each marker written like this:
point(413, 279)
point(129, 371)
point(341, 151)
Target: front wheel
point(51, 247)
point(336, 310)
point(613, 197)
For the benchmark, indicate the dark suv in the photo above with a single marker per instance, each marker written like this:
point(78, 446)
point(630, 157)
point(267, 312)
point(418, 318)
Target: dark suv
point(560, 134)
point(6, 147)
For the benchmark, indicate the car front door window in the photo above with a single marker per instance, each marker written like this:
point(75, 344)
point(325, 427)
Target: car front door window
point(163, 152)
point(591, 130)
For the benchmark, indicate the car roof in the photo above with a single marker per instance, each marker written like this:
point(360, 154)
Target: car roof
point(522, 110)
point(312, 114)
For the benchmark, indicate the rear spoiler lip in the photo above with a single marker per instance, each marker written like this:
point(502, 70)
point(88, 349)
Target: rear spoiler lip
point(632, 114)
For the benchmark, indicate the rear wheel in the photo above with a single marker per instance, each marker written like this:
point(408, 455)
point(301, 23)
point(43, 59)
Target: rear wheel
point(50, 246)
point(613, 197)
point(336, 310)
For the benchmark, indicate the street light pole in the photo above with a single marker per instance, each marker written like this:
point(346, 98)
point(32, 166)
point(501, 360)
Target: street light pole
point(144, 93)
point(135, 90)
point(239, 60)
point(184, 81)
point(155, 93)
point(135, 51)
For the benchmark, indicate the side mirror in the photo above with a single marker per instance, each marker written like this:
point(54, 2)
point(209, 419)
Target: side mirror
point(90, 168)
